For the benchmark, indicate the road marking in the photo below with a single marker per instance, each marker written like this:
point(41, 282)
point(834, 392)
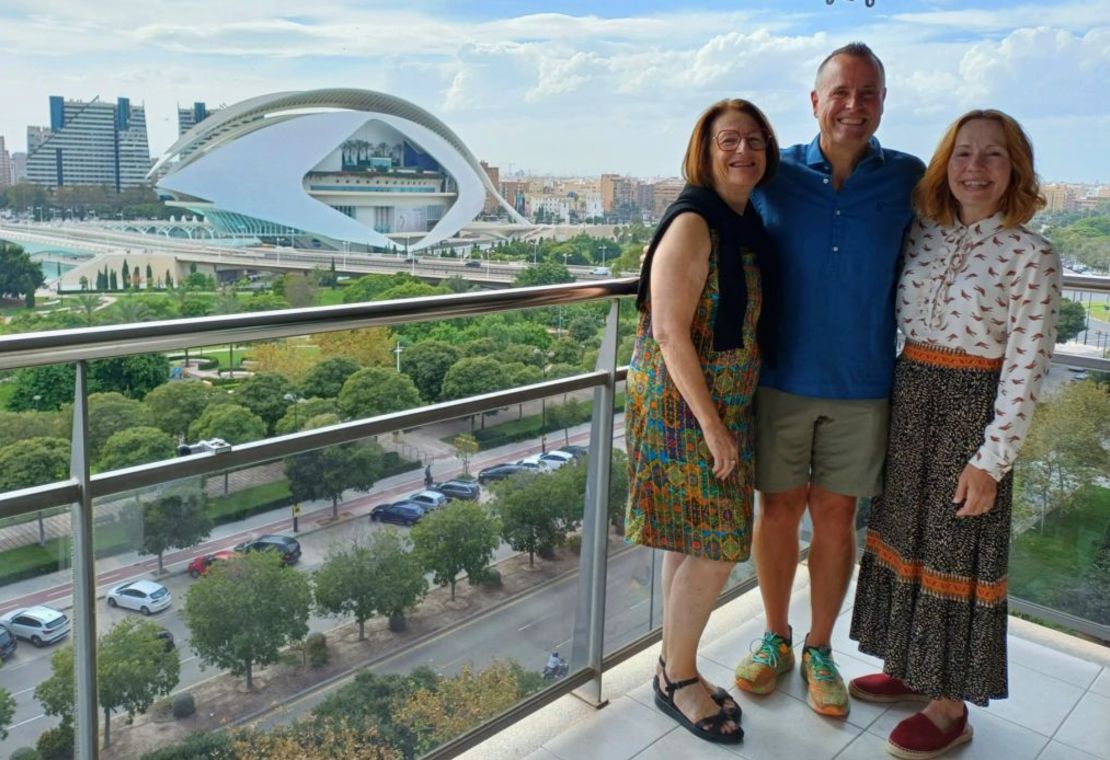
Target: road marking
point(25, 722)
point(17, 693)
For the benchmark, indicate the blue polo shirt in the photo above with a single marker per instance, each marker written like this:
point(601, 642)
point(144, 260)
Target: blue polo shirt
point(839, 257)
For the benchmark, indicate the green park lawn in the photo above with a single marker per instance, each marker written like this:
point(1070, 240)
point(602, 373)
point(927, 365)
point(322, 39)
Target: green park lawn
point(1100, 311)
point(1045, 567)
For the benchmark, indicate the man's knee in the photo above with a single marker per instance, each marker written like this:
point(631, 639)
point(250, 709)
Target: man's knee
point(832, 511)
point(784, 508)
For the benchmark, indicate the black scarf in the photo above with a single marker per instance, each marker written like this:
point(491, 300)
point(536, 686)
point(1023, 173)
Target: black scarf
point(734, 232)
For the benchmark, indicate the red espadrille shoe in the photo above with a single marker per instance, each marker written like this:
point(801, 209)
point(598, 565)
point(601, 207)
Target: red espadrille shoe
point(918, 738)
point(879, 687)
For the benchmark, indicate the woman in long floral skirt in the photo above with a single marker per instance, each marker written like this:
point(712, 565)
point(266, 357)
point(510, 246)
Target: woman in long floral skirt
point(977, 303)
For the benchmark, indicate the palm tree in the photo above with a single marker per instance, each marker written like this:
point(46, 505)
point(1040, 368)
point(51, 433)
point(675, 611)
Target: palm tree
point(129, 310)
point(89, 304)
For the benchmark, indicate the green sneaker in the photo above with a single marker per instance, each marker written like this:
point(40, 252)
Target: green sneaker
point(758, 673)
point(827, 693)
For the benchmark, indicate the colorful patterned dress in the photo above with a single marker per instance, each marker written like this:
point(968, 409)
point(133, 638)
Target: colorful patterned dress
point(676, 503)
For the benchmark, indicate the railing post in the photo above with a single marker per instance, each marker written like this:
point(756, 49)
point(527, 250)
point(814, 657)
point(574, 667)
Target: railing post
point(589, 634)
point(84, 578)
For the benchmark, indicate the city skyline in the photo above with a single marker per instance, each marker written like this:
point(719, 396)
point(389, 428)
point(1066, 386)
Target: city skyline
point(567, 88)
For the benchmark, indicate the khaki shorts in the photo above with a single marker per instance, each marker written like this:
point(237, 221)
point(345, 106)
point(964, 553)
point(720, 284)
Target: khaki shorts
point(838, 444)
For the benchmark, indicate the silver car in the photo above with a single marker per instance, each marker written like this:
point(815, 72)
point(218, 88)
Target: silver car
point(143, 596)
point(40, 625)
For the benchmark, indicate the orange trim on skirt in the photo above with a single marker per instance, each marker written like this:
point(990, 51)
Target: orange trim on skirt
point(939, 356)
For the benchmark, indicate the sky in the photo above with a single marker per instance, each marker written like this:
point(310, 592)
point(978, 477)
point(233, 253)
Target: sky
point(576, 87)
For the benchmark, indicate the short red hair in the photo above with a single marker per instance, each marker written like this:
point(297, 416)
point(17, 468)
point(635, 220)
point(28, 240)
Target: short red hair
point(933, 199)
point(696, 167)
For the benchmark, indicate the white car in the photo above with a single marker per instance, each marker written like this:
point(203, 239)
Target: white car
point(143, 596)
point(556, 459)
point(536, 463)
point(601, 272)
point(40, 625)
point(429, 500)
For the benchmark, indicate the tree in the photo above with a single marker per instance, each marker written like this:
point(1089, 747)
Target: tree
point(450, 541)
point(133, 668)
point(149, 277)
point(133, 376)
point(326, 379)
point(126, 278)
point(300, 290)
point(20, 277)
point(7, 712)
point(369, 346)
point(33, 462)
point(582, 329)
point(110, 413)
point(1072, 321)
point(531, 520)
point(19, 426)
point(376, 390)
point(426, 363)
point(134, 446)
point(242, 613)
point(380, 577)
point(175, 520)
point(43, 389)
point(466, 446)
point(174, 406)
point(264, 395)
point(231, 422)
point(473, 376)
point(543, 273)
point(287, 358)
point(327, 473)
point(304, 410)
point(113, 282)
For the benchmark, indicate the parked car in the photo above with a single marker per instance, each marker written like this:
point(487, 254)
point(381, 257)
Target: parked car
point(473, 263)
point(7, 643)
point(167, 639)
point(601, 271)
point(289, 548)
point(467, 490)
point(142, 596)
point(499, 472)
point(535, 464)
point(200, 565)
point(399, 513)
point(429, 500)
point(41, 625)
point(556, 459)
point(578, 452)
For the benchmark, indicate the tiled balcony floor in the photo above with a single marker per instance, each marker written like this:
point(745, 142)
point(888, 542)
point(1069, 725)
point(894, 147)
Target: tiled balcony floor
point(1059, 708)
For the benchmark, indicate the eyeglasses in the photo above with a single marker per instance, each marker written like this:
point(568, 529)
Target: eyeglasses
point(729, 140)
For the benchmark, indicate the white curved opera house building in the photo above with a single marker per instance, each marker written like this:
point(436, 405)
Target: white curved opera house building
point(339, 165)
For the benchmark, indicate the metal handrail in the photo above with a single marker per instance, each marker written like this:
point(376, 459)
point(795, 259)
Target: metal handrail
point(60, 346)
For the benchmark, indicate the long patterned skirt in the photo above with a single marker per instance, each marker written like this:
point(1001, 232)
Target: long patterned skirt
point(931, 596)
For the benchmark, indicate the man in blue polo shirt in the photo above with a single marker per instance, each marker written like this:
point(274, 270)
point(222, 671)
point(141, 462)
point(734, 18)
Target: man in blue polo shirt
point(837, 211)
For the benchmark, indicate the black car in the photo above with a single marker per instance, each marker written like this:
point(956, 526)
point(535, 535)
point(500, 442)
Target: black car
point(289, 548)
point(578, 452)
point(473, 263)
point(466, 490)
point(167, 639)
point(500, 472)
point(7, 643)
point(399, 513)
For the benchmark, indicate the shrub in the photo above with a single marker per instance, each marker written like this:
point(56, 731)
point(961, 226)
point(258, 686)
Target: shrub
point(397, 623)
point(203, 745)
point(56, 743)
point(546, 552)
point(183, 705)
point(574, 543)
point(316, 647)
point(26, 753)
point(490, 578)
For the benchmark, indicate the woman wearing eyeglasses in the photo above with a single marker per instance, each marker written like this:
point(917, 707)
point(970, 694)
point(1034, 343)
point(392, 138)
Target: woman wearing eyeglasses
point(688, 419)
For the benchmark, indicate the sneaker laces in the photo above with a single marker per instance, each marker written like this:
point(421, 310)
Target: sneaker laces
point(767, 652)
point(821, 665)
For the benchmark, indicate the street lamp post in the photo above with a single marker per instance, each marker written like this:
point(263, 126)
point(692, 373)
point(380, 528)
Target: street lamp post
point(293, 399)
point(397, 352)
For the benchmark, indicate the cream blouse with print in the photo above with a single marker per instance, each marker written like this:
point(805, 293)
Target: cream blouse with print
point(987, 291)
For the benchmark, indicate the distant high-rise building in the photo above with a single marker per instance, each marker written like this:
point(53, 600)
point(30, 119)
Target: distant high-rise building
point(19, 167)
point(494, 173)
point(5, 165)
point(187, 118)
point(90, 143)
point(664, 194)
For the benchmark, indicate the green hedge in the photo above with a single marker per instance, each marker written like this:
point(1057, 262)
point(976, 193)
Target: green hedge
point(249, 501)
point(33, 560)
point(529, 427)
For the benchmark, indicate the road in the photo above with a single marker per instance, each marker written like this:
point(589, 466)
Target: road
point(30, 666)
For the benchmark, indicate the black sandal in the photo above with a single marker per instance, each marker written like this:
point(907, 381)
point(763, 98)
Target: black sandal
point(710, 728)
point(718, 695)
